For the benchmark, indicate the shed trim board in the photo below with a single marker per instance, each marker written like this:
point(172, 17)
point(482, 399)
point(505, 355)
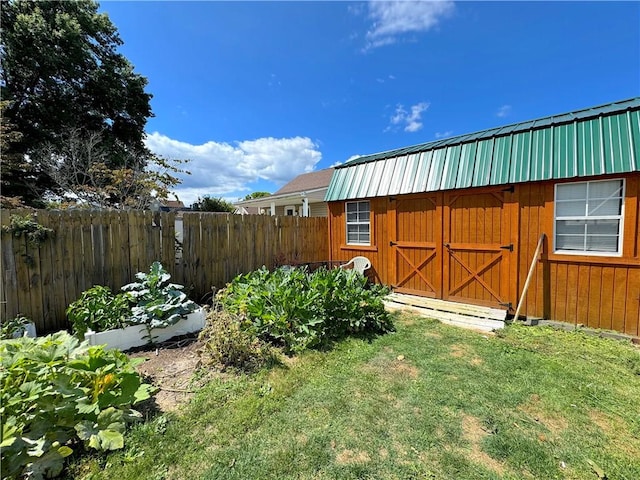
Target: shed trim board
point(460, 219)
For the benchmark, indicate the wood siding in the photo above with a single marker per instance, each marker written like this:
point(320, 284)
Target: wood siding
point(596, 291)
point(109, 248)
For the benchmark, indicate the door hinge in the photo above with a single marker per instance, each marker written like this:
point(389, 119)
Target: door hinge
point(507, 247)
point(508, 305)
point(392, 243)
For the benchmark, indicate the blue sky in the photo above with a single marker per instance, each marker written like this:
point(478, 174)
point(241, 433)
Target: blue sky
point(256, 93)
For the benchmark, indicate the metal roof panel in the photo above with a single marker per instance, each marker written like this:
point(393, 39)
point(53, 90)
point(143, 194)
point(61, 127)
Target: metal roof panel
point(592, 141)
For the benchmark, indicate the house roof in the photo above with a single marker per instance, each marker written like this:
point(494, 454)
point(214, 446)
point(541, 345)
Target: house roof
point(173, 204)
point(593, 141)
point(307, 181)
point(311, 185)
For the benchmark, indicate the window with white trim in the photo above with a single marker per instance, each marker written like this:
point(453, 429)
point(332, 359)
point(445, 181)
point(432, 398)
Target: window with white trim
point(358, 223)
point(588, 217)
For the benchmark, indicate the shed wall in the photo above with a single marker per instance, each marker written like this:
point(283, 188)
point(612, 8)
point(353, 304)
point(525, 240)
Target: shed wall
point(598, 292)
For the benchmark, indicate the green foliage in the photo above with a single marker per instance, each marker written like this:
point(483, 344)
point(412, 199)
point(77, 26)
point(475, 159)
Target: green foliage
point(158, 303)
point(27, 226)
point(253, 195)
point(56, 390)
point(98, 309)
point(208, 204)
point(299, 310)
point(431, 401)
point(151, 302)
point(225, 343)
point(10, 328)
point(61, 71)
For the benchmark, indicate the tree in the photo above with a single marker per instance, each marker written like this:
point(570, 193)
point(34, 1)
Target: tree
point(208, 204)
point(253, 195)
point(79, 167)
point(61, 73)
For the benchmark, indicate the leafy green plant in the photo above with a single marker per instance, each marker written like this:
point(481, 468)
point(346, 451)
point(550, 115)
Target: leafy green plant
point(225, 343)
point(57, 391)
point(158, 303)
point(9, 328)
point(28, 226)
point(98, 309)
point(300, 310)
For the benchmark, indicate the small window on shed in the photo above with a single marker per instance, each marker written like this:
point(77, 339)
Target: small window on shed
point(358, 223)
point(588, 217)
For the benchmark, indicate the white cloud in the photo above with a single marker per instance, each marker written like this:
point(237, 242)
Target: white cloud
point(382, 80)
point(411, 120)
point(392, 19)
point(446, 134)
point(220, 169)
point(503, 111)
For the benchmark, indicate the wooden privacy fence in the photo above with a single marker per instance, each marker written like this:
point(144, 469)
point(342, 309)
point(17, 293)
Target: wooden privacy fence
point(109, 247)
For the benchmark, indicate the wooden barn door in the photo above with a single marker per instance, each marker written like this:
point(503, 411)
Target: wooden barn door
point(416, 238)
point(477, 250)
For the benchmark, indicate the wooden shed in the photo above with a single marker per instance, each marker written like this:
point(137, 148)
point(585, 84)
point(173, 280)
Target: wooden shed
point(459, 219)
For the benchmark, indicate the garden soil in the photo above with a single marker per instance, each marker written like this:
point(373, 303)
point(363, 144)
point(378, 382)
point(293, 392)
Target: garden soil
point(173, 367)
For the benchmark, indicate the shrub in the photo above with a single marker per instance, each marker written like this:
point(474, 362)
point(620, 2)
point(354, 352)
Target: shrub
point(57, 391)
point(299, 310)
point(98, 309)
point(225, 343)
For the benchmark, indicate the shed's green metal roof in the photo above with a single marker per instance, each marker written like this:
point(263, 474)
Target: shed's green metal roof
point(594, 141)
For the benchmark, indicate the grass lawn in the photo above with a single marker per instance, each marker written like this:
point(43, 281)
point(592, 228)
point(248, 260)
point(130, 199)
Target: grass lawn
point(427, 402)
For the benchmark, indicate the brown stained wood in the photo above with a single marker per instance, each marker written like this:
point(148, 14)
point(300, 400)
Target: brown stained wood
point(631, 240)
point(619, 299)
point(632, 311)
point(561, 296)
point(606, 298)
point(571, 295)
point(582, 295)
point(595, 292)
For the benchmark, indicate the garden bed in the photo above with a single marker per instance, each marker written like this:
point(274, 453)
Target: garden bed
point(136, 335)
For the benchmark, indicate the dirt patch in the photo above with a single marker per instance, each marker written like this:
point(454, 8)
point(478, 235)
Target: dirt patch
point(473, 432)
point(462, 351)
point(347, 457)
point(404, 369)
point(458, 351)
point(171, 367)
point(534, 409)
point(617, 432)
point(398, 368)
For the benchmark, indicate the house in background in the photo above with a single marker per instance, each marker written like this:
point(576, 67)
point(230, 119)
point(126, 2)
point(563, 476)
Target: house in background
point(172, 206)
point(460, 219)
point(303, 197)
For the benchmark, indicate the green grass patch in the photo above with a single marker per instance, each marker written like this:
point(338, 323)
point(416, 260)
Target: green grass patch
point(426, 402)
